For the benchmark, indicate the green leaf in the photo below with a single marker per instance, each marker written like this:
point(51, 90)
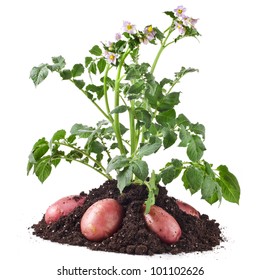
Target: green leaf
point(144, 68)
point(185, 136)
point(172, 171)
point(185, 71)
point(229, 184)
point(117, 162)
point(71, 138)
point(169, 101)
point(43, 168)
point(169, 137)
point(195, 148)
point(114, 146)
point(140, 169)
point(154, 128)
point(40, 148)
point(96, 147)
point(93, 68)
point(168, 175)
point(133, 74)
point(77, 70)
point(124, 178)
point(66, 74)
point(182, 120)
point(153, 93)
point(88, 59)
point(96, 51)
point(38, 74)
point(216, 196)
point(99, 90)
point(79, 83)
point(171, 14)
point(193, 179)
point(58, 135)
point(59, 63)
point(208, 169)
point(101, 65)
point(208, 188)
point(149, 149)
point(81, 130)
point(119, 109)
point(73, 154)
point(136, 88)
point(159, 35)
point(55, 161)
point(29, 167)
point(123, 129)
point(166, 118)
point(198, 129)
point(144, 116)
point(166, 81)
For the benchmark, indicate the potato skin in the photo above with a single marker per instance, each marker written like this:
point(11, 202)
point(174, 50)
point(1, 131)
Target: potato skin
point(163, 224)
point(102, 219)
point(188, 209)
point(63, 207)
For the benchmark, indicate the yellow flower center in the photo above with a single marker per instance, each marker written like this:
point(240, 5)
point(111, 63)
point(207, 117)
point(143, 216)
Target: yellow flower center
point(150, 29)
point(180, 11)
point(129, 26)
point(111, 57)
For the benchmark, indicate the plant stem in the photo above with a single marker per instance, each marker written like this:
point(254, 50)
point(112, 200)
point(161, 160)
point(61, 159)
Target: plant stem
point(163, 46)
point(116, 124)
point(85, 154)
point(97, 106)
point(105, 93)
point(80, 161)
point(132, 127)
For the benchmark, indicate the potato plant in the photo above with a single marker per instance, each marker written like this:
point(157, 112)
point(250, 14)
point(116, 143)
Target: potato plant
point(124, 85)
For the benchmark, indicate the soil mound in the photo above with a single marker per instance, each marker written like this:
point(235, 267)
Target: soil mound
point(134, 237)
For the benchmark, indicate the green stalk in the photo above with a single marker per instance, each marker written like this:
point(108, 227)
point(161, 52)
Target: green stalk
point(105, 93)
point(85, 154)
point(116, 124)
point(88, 165)
point(94, 103)
point(132, 127)
point(163, 46)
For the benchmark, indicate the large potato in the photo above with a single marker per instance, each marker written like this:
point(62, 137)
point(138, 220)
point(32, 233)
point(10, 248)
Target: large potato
point(188, 209)
point(63, 207)
point(163, 224)
point(101, 219)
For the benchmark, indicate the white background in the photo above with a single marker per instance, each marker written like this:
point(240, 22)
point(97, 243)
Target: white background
point(222, 96)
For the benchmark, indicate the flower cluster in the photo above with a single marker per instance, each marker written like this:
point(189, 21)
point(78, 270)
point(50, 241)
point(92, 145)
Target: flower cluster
point(183, 20)
point(129, 30)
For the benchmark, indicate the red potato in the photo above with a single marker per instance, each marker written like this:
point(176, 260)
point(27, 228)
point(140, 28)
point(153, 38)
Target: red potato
point(101, 219)
point(63, 207)
point(163, 224)
point(188, 209)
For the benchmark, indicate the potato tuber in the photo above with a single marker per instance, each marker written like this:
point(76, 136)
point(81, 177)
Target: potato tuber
point(188, 209)
point(163, 224)
point(63, 207)
point(101, 219)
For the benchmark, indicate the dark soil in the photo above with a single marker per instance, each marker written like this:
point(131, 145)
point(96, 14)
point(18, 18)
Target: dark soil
point(198, 234)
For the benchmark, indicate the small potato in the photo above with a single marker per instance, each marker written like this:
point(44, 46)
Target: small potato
point(188, 209)
point(63, 207)
point(163, 224)
point(101, 219)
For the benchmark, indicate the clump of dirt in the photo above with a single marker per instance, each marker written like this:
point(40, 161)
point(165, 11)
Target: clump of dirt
point(133, 237)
